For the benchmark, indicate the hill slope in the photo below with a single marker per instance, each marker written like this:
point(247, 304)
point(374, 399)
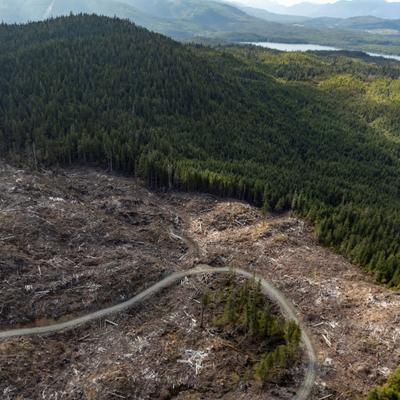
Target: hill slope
point(278, 132)
point(347, 9)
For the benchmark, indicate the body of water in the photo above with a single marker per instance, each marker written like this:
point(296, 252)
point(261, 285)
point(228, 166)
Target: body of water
point(310, 47)
point(390, 56)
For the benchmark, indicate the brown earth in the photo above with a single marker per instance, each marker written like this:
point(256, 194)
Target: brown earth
point(77, 242)
point(81, 239)
point(156, 351)
point(353, 321)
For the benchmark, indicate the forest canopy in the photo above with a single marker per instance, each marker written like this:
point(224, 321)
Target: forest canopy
point(317, 133)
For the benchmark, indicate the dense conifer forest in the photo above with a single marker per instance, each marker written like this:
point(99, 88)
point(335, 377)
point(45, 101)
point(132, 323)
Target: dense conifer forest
point(314, 133)
point(248, 318)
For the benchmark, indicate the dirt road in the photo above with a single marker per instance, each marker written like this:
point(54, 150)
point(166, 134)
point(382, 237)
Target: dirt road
point(268, 289)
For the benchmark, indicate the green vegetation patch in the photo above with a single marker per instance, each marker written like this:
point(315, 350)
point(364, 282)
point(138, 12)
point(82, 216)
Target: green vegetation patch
point(241, 314)
point(389, 391)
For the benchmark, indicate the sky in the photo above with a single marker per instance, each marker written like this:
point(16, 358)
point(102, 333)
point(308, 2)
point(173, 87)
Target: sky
point(262, 3)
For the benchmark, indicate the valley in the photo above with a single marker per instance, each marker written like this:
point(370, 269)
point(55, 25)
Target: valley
point(182, 221)
point(352, 322)
point(346, 25)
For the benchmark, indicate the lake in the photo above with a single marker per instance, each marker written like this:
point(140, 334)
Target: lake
point(390, 56)
point(310, 47)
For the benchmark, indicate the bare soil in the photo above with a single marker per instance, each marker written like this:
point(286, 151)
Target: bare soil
point(155, 351)
point(353, 321)
point(79, 240)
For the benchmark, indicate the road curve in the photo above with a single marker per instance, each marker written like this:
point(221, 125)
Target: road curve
point(269, 290)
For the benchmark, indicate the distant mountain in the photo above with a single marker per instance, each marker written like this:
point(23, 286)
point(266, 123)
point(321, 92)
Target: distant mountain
point(212, 21)
point(34, 10)
point(187, 9)
point(188, 18)
point(347, 9)
point(269, 5)
point(270, 16)
point(205, 14)
point(177, 18)
point(12, 11)
point(368, 23)
point(180, 19)
point(338, 9)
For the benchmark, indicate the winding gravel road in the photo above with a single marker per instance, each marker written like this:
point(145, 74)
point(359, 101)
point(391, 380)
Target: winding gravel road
point(269, 290)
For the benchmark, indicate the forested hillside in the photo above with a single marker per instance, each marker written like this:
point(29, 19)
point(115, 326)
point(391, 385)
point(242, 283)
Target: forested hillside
point(313, 133)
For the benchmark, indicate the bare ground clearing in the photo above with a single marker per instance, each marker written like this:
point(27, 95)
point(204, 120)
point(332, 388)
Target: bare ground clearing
point(82, 239)
point(74, 243)
point(353, 321)
point(157, 350)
